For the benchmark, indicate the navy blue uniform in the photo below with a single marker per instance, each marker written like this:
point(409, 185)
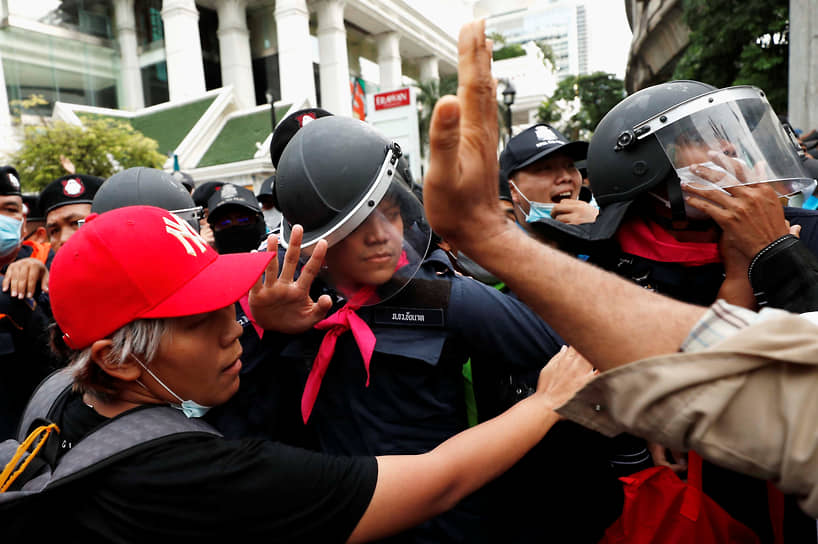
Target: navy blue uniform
point(25, 356)
point(415, 399)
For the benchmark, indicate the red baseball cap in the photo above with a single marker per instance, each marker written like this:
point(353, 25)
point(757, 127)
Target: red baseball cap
point(141, 262)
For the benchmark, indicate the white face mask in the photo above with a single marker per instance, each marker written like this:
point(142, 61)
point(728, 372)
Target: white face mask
point(690, 212)
point(190, 408)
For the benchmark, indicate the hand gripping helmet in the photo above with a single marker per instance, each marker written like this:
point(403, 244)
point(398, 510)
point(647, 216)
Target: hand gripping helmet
point(648, 143)
point(141, 186)
point(338, 177)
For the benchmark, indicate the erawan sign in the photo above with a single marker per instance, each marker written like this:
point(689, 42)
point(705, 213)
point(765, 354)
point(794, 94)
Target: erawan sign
point(395, 114)
point(392, 99)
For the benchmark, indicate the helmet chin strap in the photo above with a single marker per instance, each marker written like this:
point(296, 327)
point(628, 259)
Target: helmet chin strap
point(677, 202)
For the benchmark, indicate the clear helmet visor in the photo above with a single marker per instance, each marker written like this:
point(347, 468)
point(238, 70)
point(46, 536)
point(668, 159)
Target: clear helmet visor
point(727, 138)
point(383, 250)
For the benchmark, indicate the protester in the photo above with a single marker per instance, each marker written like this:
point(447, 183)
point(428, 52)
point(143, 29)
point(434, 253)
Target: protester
point(754, 356)
point(539, 164)
point(166, 335)
point(201, 194)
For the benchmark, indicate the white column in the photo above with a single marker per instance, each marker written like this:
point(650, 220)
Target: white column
point(389, 60)
point(234, 51)
point(129, 57)
point(334, 64)
point(803, 74)
point(5, 114)
point(294, 51)
point(183, 49)
point(429, 69)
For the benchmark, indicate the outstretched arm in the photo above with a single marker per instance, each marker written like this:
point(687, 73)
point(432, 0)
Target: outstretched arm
point(414, 488)
point(609, 320)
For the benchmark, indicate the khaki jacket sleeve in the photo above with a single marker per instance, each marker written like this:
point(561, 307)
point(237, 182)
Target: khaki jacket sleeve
point(749, 403)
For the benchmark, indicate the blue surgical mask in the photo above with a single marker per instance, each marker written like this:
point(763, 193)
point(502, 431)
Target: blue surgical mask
point(536, 210)
point(190, 408)
point(10, 230)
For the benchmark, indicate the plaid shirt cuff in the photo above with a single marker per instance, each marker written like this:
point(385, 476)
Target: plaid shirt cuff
point(721, 321)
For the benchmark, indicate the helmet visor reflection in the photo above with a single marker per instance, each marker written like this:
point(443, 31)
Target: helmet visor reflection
point(727, 138)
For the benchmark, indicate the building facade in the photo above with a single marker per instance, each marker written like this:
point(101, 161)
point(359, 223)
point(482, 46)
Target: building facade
point(133, 55)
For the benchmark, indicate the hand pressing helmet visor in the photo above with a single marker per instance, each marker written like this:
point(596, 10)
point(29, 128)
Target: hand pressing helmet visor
point(336, 178)
point(726, 138)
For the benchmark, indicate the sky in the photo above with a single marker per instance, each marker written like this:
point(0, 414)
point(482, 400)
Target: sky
point(609, 36)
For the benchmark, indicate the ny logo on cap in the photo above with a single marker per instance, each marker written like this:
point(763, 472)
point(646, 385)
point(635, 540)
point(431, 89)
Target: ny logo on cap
point(184, 232)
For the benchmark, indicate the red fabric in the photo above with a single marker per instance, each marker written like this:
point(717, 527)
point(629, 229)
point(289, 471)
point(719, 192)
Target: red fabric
point(660, 508)
point(337, 324)
point(646, 239)
point(100, 279)
point(775, 500)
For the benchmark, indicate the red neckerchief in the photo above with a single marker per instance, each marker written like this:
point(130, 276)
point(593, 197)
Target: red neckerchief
point(343, 320)
point(647, 239)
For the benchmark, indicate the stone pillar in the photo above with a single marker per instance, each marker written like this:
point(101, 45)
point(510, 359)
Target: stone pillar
point(294, 51)
point(129, 56)
point(803, 78)
point(332, 50)
point(234, 51)
point(389, 60)
point(183, 49)
point(429, 69)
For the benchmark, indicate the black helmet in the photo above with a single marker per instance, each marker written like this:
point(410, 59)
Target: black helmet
point(146, 187)
point(338, 176)
point(620, 166)
point(331, 175)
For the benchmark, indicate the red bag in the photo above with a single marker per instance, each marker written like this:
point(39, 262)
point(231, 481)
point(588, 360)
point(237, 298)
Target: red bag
point(660, 508)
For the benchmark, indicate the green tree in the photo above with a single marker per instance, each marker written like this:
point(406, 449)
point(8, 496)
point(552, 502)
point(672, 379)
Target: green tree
point(738, 43)
point(101, 147)
point(591, 95)
point(429, 92)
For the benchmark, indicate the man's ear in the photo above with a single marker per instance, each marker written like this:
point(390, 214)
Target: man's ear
point(128, 370)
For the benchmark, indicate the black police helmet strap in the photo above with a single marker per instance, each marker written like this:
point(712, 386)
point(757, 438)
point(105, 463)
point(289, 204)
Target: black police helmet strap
point(676, 198)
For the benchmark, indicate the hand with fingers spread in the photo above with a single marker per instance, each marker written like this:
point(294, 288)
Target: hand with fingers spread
point(24, 276)
point(280, 303)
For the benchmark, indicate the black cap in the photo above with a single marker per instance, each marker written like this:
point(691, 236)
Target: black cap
point(32, 202)
point(203, 192)
point(266, 188)
point(537, 142)
point(70, 189)
point(287, 128)
point(9, 181)
point(230, 195)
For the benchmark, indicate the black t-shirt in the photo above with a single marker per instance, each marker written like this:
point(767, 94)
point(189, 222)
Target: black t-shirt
point(199, 488)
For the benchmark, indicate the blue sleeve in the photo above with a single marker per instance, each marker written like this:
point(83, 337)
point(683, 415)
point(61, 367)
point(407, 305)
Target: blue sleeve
point(500, 327)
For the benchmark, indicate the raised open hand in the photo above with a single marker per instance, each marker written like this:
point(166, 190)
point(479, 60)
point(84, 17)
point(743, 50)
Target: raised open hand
point(281, 303)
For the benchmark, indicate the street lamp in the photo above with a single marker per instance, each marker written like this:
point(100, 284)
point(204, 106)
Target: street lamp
point(508, 99)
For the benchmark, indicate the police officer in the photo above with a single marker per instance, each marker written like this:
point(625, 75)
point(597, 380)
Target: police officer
point(235, 217)
point(272, 217)
point(25, 358)
point(66, 201)
point(715, 141)
point(393, 385)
